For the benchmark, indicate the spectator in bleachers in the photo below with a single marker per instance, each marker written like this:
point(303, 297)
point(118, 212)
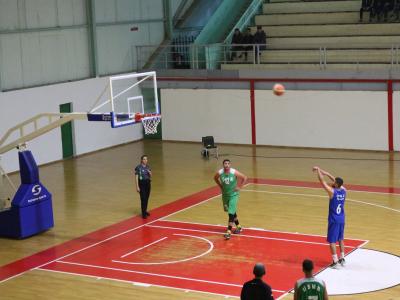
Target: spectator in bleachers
point(178, 61)
point(236, 40)
point(377, 9)
point(248, 41)
point(366, 5)
point(387, 7)
point(260, 40)
point(396, 10)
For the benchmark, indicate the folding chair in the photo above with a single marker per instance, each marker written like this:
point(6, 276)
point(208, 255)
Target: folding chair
point(208, 145)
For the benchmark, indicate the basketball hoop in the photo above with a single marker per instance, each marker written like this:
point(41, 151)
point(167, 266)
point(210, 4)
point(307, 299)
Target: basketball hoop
point(149, 121)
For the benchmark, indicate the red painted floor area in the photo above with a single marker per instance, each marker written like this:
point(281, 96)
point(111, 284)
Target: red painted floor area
point(174, 254)
point(196, 257)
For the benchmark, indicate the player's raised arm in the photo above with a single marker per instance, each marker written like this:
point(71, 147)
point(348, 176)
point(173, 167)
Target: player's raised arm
point(325, 173)
point(326, 186)
point(242, 179)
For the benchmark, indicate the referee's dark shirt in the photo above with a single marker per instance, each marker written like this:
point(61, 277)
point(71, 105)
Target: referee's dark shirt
point(143, 172)
point(256, 289)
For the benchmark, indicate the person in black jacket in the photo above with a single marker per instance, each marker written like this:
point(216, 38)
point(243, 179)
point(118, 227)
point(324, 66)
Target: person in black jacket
point(377, 9)
point(143, 184)
point(247, 40)
point(260, 40)
point(388, 6)
point(236, 41)
point(396, 10)
point(366, 5)
point(257, 289)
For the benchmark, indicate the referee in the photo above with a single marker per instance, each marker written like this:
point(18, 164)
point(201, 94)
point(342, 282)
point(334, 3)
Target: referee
point(143, 184)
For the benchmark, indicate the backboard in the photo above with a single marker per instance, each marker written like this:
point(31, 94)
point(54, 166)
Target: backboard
point(131, 95)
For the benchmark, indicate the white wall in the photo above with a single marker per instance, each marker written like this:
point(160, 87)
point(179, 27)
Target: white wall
point(299, 118)
point(188, 114)
point(20, 14)
point(326, 119)
point(127, 10)
point(116, 43)
point(30, 56)
point(47, 41)
point(18, 106)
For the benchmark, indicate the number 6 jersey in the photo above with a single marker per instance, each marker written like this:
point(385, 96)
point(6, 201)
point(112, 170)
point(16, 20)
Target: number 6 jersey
point(336, 206)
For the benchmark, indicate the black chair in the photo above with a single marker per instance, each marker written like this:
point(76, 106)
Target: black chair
point(208, 145)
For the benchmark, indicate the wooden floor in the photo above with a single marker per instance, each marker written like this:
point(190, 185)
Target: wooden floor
point(97, 190)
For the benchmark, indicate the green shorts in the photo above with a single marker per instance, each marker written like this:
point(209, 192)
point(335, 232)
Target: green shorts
point(229, 203)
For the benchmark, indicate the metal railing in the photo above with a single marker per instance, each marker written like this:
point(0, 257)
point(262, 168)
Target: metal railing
point(212, 56)
point(196, 56)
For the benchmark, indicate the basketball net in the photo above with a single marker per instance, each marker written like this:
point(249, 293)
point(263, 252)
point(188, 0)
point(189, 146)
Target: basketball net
point(149, 121)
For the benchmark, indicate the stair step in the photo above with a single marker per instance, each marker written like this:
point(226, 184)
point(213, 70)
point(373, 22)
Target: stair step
point(332, 56)
point(346, 42)
point(312, 67)
point(308, 18)
point(305, 7)
point(316, 56)
point(279, 1)
point(332, 30)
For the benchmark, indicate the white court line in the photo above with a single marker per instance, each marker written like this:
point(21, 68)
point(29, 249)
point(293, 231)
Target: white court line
point(287, 293)
point(320, 196)
point(133, 282)
point(260, 229)
point(244, 235)
point(319, 188)
point(363, 244)
point(155, 274)
point(173, 261)
point(141, 248)
point(110, 238)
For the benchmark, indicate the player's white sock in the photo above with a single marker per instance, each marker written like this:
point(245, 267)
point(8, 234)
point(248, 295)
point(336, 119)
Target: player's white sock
point(341, 254)
point(335, 258)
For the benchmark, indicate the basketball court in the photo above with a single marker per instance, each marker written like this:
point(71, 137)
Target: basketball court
point(179, 251)
point(167, 251)
point(89, 87)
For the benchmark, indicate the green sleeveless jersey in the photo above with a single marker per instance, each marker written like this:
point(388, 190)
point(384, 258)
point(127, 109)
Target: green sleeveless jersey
point(310, 289)
point(228, 181)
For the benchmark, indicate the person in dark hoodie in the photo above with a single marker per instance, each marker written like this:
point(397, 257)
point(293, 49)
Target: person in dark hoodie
point(247, 41)
point(260, 40)
point(257, 289)
point(236, 41)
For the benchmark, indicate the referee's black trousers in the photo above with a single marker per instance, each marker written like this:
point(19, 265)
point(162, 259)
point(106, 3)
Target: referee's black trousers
point(145, 186)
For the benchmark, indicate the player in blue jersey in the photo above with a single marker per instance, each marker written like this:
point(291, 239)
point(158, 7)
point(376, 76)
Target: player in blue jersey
point(336, 218)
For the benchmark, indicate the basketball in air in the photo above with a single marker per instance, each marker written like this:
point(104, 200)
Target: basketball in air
point(278, 89)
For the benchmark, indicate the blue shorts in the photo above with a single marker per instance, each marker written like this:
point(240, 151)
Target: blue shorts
point(335, 232)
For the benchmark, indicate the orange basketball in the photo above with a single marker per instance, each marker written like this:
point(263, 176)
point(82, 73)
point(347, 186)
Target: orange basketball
point(278, 89)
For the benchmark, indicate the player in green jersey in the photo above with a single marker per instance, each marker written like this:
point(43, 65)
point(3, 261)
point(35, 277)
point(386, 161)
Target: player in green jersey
point(310, 288)
point(227, 180)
